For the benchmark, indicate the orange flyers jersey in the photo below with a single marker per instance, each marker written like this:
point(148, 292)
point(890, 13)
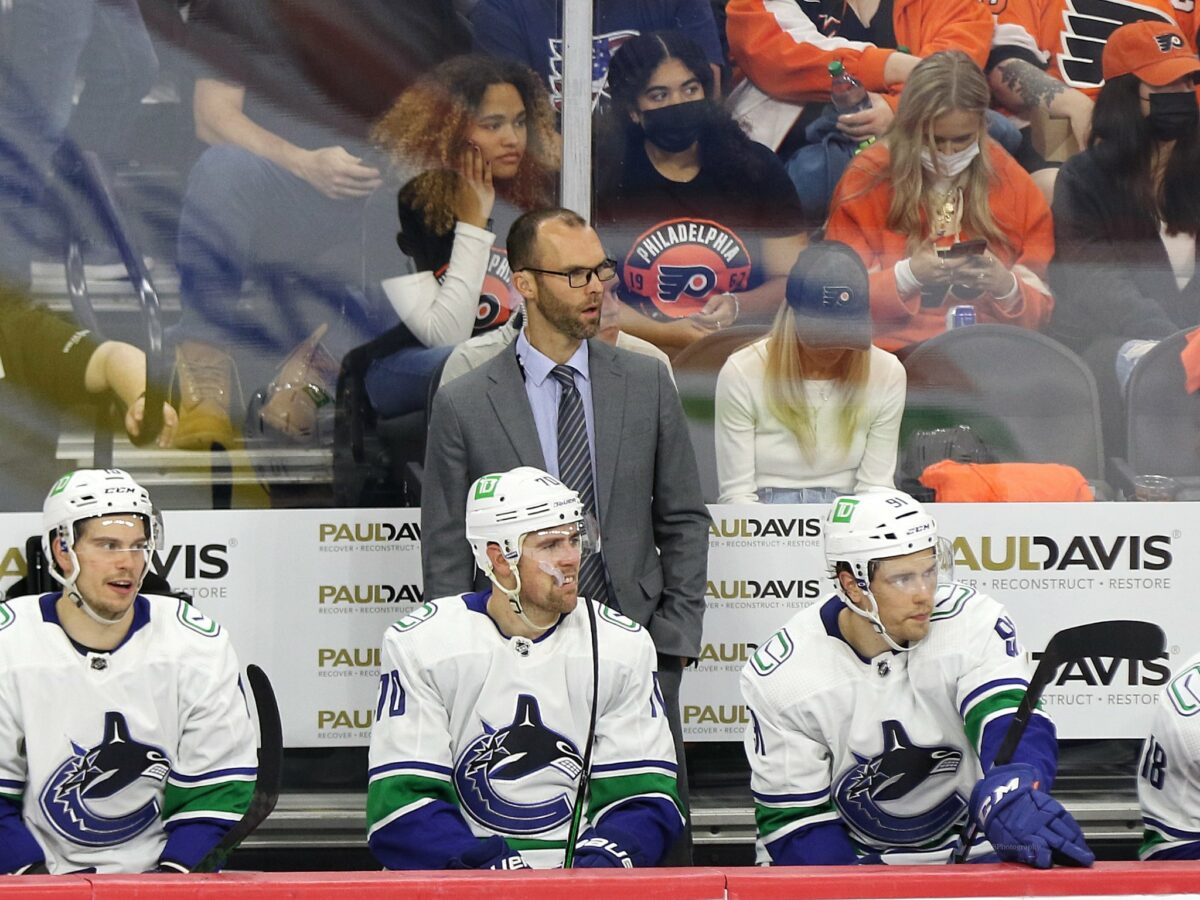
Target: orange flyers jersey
point(1069, 35)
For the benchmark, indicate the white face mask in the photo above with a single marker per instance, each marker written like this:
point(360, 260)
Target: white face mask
point(951, 165)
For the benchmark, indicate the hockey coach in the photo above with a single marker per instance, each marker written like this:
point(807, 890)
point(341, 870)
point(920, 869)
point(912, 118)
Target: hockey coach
point(876, 717)
point(521, 726)
point(127, 744)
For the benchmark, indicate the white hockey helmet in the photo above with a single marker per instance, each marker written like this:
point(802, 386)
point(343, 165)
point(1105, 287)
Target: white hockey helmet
point(503, 507)
point(865, 528)
point(86, 494)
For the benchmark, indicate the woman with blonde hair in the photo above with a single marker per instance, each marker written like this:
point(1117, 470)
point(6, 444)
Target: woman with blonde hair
point(472, 145)
point(812, 410)
point(942, 216)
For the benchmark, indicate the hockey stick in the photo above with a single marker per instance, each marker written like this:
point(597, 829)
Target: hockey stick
point(266, 786)
point(1115, 639)
point(585, 772)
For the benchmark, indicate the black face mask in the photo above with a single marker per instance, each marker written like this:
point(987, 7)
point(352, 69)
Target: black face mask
point(1173, 116)
point(675, 128)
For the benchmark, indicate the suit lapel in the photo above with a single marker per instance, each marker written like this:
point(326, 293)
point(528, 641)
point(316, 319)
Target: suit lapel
point(511, 405)
point(608, 414)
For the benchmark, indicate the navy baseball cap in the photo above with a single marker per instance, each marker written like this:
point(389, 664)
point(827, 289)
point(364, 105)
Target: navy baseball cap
point(829, 294)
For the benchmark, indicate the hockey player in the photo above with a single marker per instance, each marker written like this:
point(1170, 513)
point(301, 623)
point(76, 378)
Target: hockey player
point(488, 702)
point(876, 715)
point(126, 742)
point(1169, 776)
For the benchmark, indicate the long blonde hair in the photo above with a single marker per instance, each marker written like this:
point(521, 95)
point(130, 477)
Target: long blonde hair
point(790, 364)
point(945, 82)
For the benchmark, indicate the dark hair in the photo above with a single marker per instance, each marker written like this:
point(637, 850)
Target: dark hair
point(1124, 148)
point(723, 144)
point(522, 236)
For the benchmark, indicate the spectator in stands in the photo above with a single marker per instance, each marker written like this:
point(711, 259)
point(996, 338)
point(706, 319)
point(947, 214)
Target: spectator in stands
point(785, 47)
point(49, 366)
point(812, 410)
point(941, 180)
point(530, 31)
point(1127, 212)
point(281, 186)
point(705, 221)
point(48, 45)
point(474, 146)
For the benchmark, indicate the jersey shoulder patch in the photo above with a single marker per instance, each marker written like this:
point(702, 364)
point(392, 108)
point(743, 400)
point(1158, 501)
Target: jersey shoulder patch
point(193, 619)
point(1183, 691)
point(416, 618)
point(7, 616)
point(772, 653)
point(610, 615)
point(951, 600)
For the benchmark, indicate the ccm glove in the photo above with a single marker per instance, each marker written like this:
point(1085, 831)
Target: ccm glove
point(1024, 824)
point(600, 853)
point(489, 853)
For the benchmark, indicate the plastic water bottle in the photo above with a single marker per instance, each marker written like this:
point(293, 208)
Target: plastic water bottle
point(848, 95)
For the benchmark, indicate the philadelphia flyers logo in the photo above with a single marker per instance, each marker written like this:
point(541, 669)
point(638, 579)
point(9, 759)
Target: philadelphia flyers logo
point(679, 264)
point(1168, 42)
point(1087, 25)
point(498, 299)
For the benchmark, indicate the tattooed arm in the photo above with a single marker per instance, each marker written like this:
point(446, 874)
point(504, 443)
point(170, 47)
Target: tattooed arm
point(1021, 87)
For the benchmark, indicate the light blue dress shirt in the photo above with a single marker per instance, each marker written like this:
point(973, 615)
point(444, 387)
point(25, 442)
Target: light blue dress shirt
point(544, 391)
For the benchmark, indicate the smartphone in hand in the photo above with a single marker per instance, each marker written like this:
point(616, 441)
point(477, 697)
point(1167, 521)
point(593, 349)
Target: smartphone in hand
point(973, 247)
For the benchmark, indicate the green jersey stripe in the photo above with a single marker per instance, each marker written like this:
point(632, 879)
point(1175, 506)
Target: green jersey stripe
point(999, 702)
point(222, 797)
point(387, 794)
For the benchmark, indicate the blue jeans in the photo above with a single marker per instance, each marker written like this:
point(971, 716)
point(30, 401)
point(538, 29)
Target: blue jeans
point(50, 43)
point(798, 495)
point(245, 216)
point(399, 383)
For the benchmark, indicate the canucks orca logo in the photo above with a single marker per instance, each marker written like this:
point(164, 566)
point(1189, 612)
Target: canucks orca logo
point(98, 773)
point(864, 790)
point(694, 281)
point(507, 755)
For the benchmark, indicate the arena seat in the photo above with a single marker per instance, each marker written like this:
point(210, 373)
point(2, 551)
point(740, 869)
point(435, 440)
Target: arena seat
point(1024, 395)
point(1162, 420)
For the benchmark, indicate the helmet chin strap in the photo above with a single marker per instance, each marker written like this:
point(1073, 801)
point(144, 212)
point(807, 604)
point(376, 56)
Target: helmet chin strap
point(872, 616)
point(514, 599)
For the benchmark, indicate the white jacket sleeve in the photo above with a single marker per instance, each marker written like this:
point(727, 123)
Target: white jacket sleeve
point(443, 314)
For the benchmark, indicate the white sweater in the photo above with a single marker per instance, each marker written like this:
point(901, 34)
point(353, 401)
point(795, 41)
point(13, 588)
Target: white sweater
point(755, 449)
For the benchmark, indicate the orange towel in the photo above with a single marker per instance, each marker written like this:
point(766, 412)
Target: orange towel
point(955, 482)
point(1190, 357)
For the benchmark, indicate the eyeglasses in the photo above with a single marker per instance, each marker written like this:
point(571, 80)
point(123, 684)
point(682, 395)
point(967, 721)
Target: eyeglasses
point(578, 278)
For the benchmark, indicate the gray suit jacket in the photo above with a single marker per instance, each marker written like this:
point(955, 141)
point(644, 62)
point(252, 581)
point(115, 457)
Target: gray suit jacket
point(653, 521)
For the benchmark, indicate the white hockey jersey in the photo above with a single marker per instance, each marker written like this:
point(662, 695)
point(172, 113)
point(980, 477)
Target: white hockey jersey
point(1169, 775)
point(479, 734)
point(889, 747)
point(111, 756)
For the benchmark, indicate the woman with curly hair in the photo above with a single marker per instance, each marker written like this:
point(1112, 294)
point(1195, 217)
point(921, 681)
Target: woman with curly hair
point(704, 221)
point(472, 146)
point(937, 181)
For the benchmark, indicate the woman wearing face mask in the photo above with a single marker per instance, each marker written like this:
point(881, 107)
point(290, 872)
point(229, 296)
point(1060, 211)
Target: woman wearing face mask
point(1127, 210)
point(937, 181)
point(704, 221)
point(472, 146)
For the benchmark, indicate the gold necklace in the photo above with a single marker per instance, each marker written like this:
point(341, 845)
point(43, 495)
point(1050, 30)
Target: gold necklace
point(945, 210)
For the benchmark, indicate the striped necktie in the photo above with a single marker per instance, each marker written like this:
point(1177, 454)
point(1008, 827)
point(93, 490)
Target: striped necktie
point(575, 471)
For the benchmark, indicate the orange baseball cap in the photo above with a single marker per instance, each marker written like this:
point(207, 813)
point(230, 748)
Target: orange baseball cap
point(1153, 51)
